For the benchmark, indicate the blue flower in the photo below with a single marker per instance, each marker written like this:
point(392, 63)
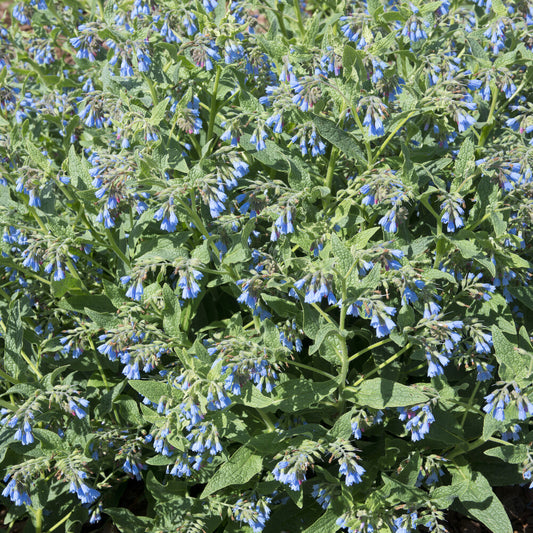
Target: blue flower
point(352, 471)
point(292, 477)
point(14, 490)
point(187, 283)
point(85, 493)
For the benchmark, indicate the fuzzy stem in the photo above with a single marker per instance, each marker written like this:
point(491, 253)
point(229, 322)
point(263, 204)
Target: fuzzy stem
point(214, 107)
point(392, 134)
point(297, 9)
point(365, 139)
point(62, 521)
point(31, 365)
point(115, 247)
point(312, 369)
point(470, 402)
point(368, 348)
point(382, 365)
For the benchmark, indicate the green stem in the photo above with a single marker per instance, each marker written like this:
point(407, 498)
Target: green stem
point(281, 21)
point(470, 402)
point(365, 139)
point(312, 369)
point(214, 107)
point(38, 520)
point(62, 521)
point(368, 348)
point(31, 365)
point(488, 126)
point(325, 315)
point(297, 9)
point(115, 248)
point(73, 271)
point(7, 377)
point(266, 419)
point(392, 134)
point(333, 156)
point(439, 248)
point(382, 365)
point(152, 89)
point(37, 218)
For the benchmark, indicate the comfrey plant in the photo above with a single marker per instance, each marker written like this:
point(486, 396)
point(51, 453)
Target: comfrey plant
point(266, 265)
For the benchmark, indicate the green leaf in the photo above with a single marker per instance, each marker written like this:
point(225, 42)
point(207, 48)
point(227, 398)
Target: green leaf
point(102, 320)
point(343, 427)
point(514, 365)
point(476, 496)
point(49, 440)
point(126, 521)
point(361, 239)
point(514, 454)
point(242, 466)
point(284, 308)
point(464, 163)
point(153, 390)
point(339, 138)
point(343, 256)
point(323, 332)
point(311, 322)
point(379, 393)
point(13, 361)
point(158, 112)
point(36, 156)
point(172, 314)
point(78, 173)
point(297, 395)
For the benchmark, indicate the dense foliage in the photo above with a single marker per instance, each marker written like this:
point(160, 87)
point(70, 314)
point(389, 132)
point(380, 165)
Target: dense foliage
point(272, 259)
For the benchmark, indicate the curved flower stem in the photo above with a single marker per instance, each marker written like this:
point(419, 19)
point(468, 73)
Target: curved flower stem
point(31, 365)
point(470, 402)
point(325, 315)
point(488, 124)
point(151, 86)
point(62, 521)
point(333, 156)
point(392, 134)
point(311, 369)
point(266, 419)
point(368, 348)
point(382, 365)
point(8, 378)
point(115, 247)
point(365, 139)
point(298, 11)
point(213, 108)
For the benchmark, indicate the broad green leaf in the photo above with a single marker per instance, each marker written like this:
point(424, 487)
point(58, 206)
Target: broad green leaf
point(514, 365)
point(343, 257)
point(242, 466)
point(172, 314)
point(13, 361)
point(297, 395)
point(379, 393)
point(323, 332)
point(338, 137)
point(464, 163)
point(49, 440)
point(78, 173)
point(127, 522)
point(361, 239)
point(283, 307)
point(153, 390)
point(514, 454)
point(36, 156)
point(476, 496)
point(158, 112)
